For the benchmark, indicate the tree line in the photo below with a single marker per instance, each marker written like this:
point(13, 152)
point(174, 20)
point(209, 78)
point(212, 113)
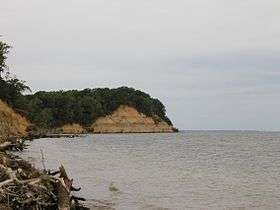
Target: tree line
point(56, 108)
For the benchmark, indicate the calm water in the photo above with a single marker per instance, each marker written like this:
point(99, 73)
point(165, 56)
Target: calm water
point(189, 170)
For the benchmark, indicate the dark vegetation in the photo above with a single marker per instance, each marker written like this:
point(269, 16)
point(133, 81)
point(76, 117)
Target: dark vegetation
point(51, 109)
point(11, 88)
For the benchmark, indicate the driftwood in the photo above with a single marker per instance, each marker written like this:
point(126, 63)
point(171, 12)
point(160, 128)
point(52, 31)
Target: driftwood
point(13, 145)
point(64, 186)
point(22, 187)
point(5, 146)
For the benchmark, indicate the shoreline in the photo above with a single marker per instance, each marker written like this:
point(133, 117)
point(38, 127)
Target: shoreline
point(48, 133)
point(25, 187)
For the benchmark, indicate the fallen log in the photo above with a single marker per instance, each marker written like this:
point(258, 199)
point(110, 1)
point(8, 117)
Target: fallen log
point(5, 146)
point(75, 198)
point(12, 145)
point(22, 187)
point(75, 189)
point(64, 202)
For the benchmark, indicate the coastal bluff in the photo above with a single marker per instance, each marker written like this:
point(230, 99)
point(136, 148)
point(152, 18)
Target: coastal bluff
point(127, 119)
point(11, 123)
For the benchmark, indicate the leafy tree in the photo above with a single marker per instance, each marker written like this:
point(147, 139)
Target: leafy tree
point(4, 50)
point(50, 109)
point(85, 106)
point(11, 87)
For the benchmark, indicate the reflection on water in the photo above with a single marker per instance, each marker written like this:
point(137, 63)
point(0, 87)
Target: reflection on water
point(188, 170)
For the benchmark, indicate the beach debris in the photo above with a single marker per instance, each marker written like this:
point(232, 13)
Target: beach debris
point(23, 187)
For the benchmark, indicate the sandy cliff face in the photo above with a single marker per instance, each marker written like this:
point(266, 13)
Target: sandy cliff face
point(128, 120)
point(72, 129)
point(11, 123)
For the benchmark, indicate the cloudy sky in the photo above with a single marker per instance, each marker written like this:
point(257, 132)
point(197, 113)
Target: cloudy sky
point(215, 64)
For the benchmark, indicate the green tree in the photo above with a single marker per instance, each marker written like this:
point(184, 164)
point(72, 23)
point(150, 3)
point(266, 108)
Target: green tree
point(85, 106)
point(4, 50)
point(11, 87)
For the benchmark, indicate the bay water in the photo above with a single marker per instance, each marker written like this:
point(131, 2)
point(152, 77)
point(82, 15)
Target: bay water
point(176, 171)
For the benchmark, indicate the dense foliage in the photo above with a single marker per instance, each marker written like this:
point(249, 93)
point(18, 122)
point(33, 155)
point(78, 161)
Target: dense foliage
point(11, 88)
point(50, 109)
point(4, 50)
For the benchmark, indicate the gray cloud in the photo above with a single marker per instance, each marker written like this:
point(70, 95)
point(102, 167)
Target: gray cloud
point(215, 64)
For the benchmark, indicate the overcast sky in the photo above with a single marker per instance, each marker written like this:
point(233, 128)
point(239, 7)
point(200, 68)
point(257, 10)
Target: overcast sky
point(215, 64)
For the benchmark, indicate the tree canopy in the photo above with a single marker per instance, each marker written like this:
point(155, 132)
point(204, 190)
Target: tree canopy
point(4, 50)
point(55, 108)
point(50, 109)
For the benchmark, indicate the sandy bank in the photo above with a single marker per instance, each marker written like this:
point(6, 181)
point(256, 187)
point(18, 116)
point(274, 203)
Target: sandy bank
point(128, 120)
point(11, 123)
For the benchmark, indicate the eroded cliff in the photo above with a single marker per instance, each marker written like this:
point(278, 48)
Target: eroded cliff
point(128, 120)
point(11, 123)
